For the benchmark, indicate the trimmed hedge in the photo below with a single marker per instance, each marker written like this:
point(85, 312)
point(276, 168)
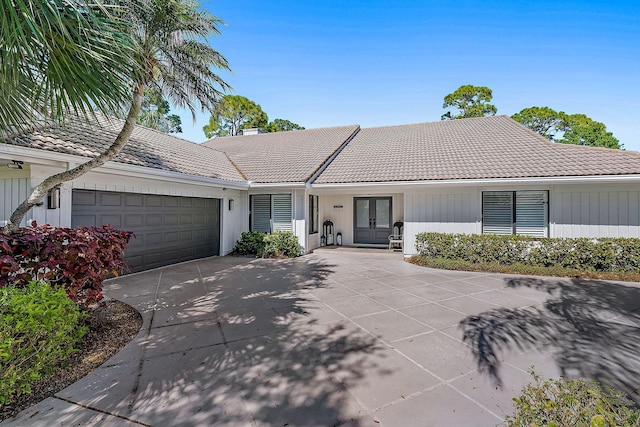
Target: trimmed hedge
point(77, 258)
point(603, 254)
point(276, 244)
point(559, 402)
point(39, 328)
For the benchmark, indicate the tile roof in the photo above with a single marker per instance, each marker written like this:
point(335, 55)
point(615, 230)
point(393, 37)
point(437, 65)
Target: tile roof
point(283, 157)
point(488, 147)
point(147, 147)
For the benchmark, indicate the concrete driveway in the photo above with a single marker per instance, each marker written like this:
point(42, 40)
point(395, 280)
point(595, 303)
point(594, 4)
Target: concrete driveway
point(345, 337)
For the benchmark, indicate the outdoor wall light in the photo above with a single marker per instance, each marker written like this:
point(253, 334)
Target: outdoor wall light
point(53, 198)
point(232, 204)
point(16, 164)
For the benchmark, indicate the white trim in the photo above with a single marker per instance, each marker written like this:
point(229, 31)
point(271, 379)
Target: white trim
point(121, 168)
point(490, 181)
point(262, 185)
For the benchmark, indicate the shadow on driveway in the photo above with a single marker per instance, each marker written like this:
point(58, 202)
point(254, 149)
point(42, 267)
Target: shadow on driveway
point(592, 326)
point(237, 341)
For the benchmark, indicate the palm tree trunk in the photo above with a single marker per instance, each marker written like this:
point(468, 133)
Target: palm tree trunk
point(45, 186)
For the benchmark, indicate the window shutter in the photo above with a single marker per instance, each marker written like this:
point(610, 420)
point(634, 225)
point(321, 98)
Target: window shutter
point(281, 205)
point(531, 213)
point(261, 213)
point(497, 212)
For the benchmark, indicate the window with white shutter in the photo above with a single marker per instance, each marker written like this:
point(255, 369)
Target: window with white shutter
point(497, 212)
point(515, 212)
point(281, 209)
point(531, 213)
point(271, 212)
point(261, 213)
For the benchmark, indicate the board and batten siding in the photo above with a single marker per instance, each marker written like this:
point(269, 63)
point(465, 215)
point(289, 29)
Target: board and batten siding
point(339, 209)
point(595, 211)
point(451, 212)
point(14, 188)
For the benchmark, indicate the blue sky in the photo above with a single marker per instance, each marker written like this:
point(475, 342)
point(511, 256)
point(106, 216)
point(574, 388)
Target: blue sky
point(378, 63)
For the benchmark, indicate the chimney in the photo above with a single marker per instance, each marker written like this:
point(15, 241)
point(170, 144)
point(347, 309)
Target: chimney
point(252, 131)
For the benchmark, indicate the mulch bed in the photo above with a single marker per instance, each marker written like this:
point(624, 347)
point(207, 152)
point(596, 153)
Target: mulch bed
point(111, 326)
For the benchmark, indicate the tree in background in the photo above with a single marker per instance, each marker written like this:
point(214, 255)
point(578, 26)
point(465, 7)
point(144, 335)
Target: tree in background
point(582, 130)
point(471, 101)
point(154, 113)
point(62, 57)
point(235, 113)
point(170, 55)
point(565, 128)
point(543, 120)
point(232, 114)
point(282, 125)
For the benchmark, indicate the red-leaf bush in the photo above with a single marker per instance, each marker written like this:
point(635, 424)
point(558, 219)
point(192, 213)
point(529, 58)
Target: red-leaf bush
point(77, 258)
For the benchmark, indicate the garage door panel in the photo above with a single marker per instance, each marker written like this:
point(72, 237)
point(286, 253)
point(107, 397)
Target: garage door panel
point(171, 219)
point(134, 200)
point(110, 199)
point(168, 229)
point(84, 198)
point(153, 201)
point(83, 220)
point(153, 220)
point(112, 220)
point(133, 220)
point(153, 238)
point(171, 202)
point(171, 236)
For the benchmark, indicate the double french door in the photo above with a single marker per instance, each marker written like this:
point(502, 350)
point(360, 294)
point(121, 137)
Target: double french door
point(372, 220)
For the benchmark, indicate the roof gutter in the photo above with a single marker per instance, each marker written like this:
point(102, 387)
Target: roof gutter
point(35, 155)
point(488, 181)
point(261, 185)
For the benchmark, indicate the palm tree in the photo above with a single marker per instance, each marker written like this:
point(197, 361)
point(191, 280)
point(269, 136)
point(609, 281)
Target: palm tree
point(170, 56)
point(61, 56)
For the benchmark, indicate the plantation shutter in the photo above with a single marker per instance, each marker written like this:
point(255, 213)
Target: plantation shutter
point(261, 213)
point(497, 212)
point(281, 208)
point(531, 213)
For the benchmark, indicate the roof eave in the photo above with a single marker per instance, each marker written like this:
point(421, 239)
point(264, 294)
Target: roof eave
point(580, 179)
point(35, 154)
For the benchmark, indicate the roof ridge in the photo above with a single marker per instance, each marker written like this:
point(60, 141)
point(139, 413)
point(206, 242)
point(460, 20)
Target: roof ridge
point(435, 122)
point(316, 173)
point(228, 137)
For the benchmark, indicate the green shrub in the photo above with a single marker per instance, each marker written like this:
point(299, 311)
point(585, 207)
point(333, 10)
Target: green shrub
point(603, 255)
point(39, 328)
point(558, 403)
point(281, 244)
point(250, 243)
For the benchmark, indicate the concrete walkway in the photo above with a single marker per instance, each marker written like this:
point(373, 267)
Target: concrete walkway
point(343, 337)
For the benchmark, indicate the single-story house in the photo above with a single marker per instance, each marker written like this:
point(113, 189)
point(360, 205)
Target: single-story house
point(185, 200)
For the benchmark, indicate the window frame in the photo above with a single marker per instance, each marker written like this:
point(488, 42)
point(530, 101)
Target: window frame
point(514, 211)
point(272, 201)
point(314, 214)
